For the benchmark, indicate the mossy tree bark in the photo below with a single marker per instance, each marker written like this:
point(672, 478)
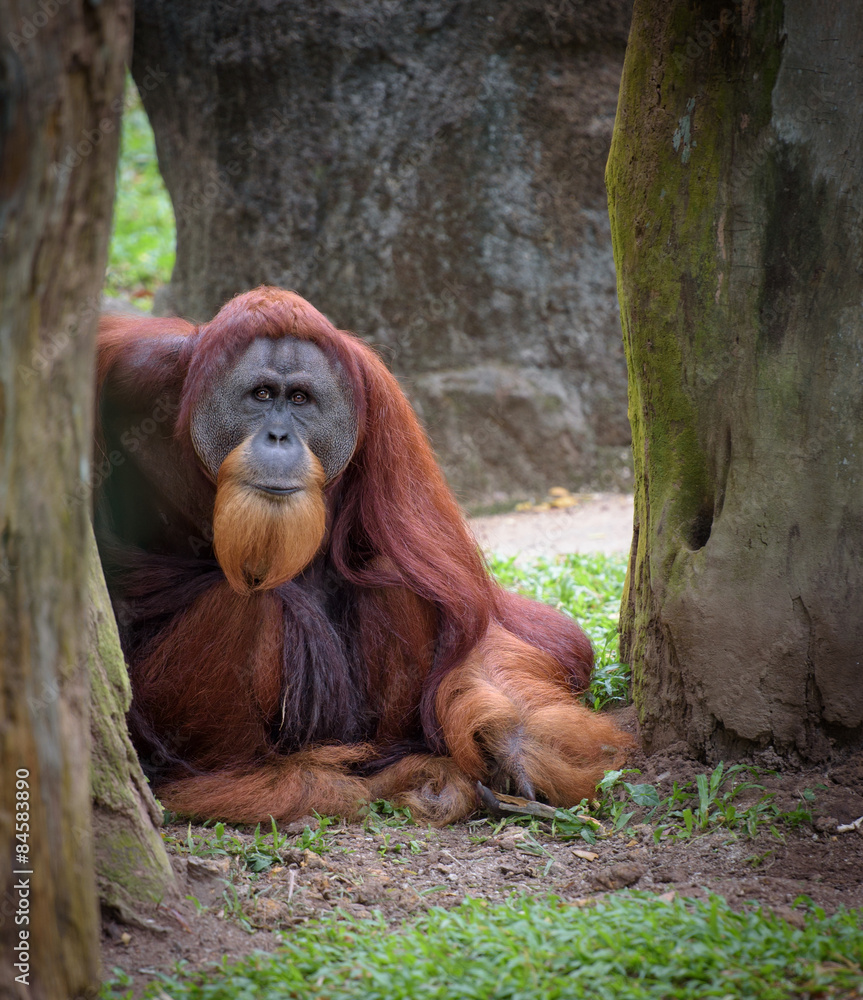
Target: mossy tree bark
point(62, 80)
point(133, 872)
point(736, 209)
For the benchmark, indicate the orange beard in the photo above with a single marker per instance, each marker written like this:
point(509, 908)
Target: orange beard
point(262, 540)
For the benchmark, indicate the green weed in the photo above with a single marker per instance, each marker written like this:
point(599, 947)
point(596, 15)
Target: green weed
point(263, 851)
point(384, 814)
point(233, 908)
point(709, 802)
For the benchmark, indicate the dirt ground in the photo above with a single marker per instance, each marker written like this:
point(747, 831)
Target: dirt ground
point(597, 522)
point(403, 870)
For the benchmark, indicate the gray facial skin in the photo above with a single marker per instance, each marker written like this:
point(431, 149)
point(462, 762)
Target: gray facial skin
point(281, 393)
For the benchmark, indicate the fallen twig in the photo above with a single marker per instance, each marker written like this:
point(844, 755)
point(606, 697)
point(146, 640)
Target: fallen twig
point(848, 827)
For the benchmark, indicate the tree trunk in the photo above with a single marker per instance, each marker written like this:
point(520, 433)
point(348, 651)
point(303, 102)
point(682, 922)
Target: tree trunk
point(63, 78)
point(133, 872)
point(736, 209)
point(429, 175)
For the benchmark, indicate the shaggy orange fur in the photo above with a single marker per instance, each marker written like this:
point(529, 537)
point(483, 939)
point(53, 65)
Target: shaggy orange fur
point(313, 780)
point(242, 657)
point(433, 788)
point(263, 540)
point(510, 703)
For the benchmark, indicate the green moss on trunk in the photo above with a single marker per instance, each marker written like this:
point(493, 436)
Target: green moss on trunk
point(722, 226)
point(132, 867)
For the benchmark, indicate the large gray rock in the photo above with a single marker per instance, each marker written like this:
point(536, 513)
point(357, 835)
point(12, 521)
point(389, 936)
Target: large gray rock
point(430, 175)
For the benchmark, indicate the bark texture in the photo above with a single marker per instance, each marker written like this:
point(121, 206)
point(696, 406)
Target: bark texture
point(430, 175)
point(62, 74)
point(736, 206)
point(133, 873)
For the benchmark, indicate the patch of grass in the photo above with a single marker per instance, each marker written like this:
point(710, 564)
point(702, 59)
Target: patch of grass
point(141, 253)
point(383, 820)
point(261, 852)
point(630, 945)
point(709, 802)
point(588, 588)
point(233, 908)
point(712, 801)
point(384, 814)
